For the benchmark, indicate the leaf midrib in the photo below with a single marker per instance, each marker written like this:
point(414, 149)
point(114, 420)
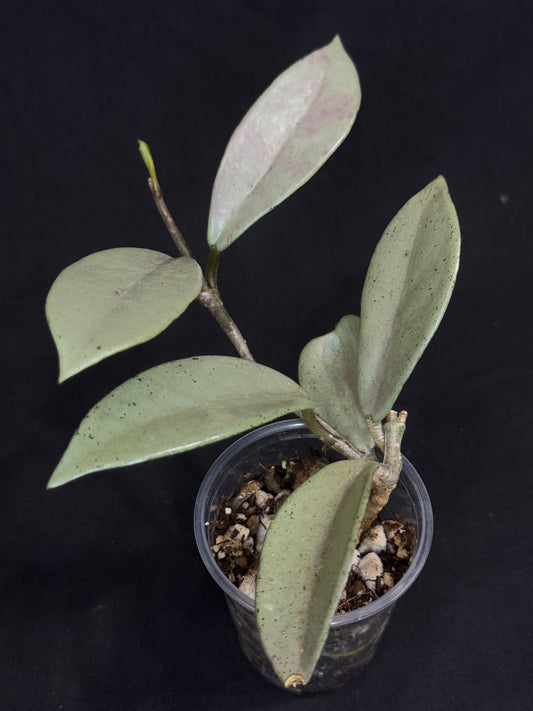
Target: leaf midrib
point(261, 179)
point(396, 327)
point(99, 323)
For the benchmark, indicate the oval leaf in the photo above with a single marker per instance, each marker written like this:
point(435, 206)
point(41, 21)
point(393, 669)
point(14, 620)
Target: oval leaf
point(328, 373)
point(174, 407)
point(115, 299)
point(285, 137)
point(305, 563)
point(406, 291)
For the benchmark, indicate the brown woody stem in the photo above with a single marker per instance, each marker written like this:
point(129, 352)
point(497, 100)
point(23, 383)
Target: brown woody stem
point(209, 296)
point(167, 218)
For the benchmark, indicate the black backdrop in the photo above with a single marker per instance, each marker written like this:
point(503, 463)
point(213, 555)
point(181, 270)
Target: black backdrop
point(104, 603)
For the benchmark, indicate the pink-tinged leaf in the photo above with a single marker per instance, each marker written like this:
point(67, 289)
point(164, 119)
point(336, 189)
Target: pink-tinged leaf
point(285, 137)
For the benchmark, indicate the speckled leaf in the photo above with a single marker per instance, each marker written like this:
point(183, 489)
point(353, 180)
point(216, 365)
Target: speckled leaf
point(328, 373)
point(406, 291)
point(115, 299)
point(174, 407)
point(305, 562)
point(285, 137)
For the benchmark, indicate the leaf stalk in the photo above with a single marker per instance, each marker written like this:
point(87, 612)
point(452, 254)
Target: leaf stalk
point(211, 271)
point(331, 438)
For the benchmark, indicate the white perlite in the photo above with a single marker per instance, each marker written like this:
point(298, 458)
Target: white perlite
point(374, 541)
point(264, 523)
point(355, 560)
point(247, 585)
point(370, 569)
point(262, 499)
point(391, 528)
point(236, 539)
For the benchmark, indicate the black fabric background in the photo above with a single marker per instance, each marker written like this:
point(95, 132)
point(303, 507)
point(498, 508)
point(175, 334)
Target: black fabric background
point(104, 602)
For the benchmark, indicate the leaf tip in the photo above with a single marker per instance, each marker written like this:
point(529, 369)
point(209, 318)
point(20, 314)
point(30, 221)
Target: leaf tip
point(293, 681)
point(440, 184)
point(440, 189)
point(54, 480)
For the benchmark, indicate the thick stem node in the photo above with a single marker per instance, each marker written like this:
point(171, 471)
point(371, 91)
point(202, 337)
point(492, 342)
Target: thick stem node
point(386, 477)
point(210, 299)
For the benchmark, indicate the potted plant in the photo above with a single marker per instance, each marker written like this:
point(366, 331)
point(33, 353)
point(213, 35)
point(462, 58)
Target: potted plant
point(349, 378)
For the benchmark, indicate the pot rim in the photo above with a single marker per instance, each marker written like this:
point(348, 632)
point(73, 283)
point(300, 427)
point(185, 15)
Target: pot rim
point(409, 478)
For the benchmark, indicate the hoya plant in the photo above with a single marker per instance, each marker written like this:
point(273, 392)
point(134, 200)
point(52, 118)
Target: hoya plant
point(349, 378)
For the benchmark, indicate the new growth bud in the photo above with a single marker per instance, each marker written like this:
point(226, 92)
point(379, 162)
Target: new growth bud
point(149, 163)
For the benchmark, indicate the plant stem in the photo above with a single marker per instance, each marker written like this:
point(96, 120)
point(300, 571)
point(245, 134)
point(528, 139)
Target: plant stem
point(376, 430)
point(386, 477)
point(209, 297)
point(393, 430)
point(211, 271)
point(167, 218)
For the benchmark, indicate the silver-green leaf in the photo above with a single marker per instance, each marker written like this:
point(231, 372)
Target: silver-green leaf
point(328, 373)
point(115, 299)
point(285, 137)
point(175, 407)
point(305, 563)
point(406, 291)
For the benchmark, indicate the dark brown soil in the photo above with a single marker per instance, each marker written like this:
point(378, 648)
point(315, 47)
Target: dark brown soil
point(240, 527)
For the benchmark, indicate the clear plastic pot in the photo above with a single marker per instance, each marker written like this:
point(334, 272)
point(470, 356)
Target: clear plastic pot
point(353, 636)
